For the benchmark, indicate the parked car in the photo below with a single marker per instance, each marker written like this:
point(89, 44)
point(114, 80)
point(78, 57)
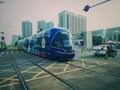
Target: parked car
point(100, 50)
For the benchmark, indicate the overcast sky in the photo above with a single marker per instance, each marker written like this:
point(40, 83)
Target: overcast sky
point(13, 12)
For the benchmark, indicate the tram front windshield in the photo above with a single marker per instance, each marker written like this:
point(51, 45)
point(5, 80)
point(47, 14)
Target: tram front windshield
point(62, 40)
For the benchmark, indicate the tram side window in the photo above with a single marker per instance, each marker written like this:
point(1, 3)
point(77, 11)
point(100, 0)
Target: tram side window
point(57, 41)
point(38, 42)
point(31, 43)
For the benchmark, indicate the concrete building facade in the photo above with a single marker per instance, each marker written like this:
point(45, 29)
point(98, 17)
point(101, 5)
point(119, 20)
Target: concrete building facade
point(14, 39)
point(43, 25)
point(26, 29)
point(77, 24)
point(112, 34)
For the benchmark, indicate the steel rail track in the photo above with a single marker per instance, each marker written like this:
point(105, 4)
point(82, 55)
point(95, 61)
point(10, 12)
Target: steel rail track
point(22, 80)
point(105, 73)
point(58, 78)
point(66, 83)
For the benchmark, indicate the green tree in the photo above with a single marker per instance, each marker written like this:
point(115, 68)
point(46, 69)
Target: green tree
point(97, 40)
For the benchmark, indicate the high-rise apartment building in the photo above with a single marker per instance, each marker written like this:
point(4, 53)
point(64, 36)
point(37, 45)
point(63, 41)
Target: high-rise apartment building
point(50, 24)
point(26, 29)
point(43, 25)
point(77, 24)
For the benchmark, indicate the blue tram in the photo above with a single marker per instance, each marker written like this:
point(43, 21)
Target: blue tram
point(55, 43)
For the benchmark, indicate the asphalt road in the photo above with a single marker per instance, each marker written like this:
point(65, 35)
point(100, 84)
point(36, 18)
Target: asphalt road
point(84, 72)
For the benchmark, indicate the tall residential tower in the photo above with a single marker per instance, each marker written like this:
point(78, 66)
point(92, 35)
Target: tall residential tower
point(26, 29)
point(77, 24)
point(43, 25)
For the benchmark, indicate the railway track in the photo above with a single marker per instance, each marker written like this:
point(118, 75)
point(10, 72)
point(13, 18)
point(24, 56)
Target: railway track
point(89, 69)
point(55, 76)
point(21, 79)
point(13, 60)
point(44, 66)
point(7, 80)
point(58, 78)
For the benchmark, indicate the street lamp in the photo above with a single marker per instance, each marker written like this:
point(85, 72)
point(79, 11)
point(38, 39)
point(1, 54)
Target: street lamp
point(87, 7)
